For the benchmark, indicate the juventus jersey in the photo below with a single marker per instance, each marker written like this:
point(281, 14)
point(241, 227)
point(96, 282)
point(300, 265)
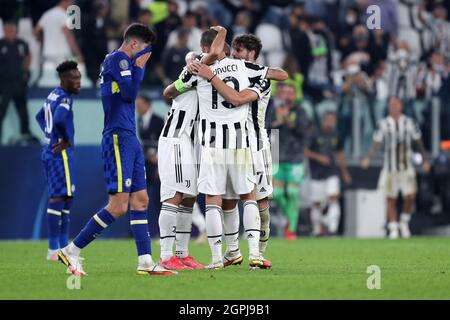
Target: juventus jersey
point(223, 125)
point(398, 137)
point(257, 133)
point(182, 115)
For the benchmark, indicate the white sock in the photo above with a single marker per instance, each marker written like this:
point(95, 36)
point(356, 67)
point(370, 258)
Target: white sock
point(264, 215)
point(334, 214)
point(405, 218)
point(252, 225)
point(72, 249)
point(214, 231)
point(198, 219)
point(183, 231)
point(392, 226)
point(316, 219)
point(167, 227)
point(231, 228)
point(145, 259)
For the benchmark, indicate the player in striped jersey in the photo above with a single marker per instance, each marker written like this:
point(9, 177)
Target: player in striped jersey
point(226, 161)
point(247, 47)
point(399, 133)
point(177, 163)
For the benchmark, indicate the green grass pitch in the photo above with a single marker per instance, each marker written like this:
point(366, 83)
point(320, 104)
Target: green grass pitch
point(417, 268)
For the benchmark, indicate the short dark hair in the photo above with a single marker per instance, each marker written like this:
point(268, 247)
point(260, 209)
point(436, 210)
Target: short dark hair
point(208, 37)
point(66, 66)
point(146, 98)
point(10, 21)
point(249, 42)
point(141, 32)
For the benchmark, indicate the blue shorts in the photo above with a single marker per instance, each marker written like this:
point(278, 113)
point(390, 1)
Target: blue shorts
point(59, 173)
point(123, 163)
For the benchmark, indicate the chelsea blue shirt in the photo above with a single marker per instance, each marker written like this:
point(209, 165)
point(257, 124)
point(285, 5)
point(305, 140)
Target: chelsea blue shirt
point(120, 82)
point(56, 118)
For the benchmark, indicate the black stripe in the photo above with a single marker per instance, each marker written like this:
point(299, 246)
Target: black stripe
point(237, 127)
point(179, 123)
point(253, 66)
point(254, 107)
point(215, 236)
point(225, 136)
point(180, 167)
point(252, 230)
point(264, 240)
point(212, 135)
point(203, 131)
point(166, 129)
point(169, 209)
point(254, 80)
point(397, 146)
point(231, 234)
point(177, 177)
point(389, 146)
point(406, 145)
point(183, 232)
point(167, 237)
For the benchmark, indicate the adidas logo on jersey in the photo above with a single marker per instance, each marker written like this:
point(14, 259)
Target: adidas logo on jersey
point(262, 189)
point(218, 242)
point(250, 236)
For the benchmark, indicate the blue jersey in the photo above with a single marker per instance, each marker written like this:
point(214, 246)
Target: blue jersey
point(120, 82)
point(56, 118)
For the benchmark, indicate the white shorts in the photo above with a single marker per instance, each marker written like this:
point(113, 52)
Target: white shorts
point(177, 165)
point(321, 190)
point(223, 169)
point(262, 164)
point(392, 183)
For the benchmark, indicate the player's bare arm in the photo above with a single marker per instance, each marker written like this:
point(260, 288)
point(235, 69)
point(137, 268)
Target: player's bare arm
point(277, 74)
point(425, 165)
point(171, 91)
point(323, 159)
point(216, 47)
point(340, 157)
point(373, 150)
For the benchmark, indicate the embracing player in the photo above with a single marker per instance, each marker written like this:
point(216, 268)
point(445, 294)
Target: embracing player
point(248, 47)
point(56, 120)
point(177, 163)
point(121, 74)
point(226, 162)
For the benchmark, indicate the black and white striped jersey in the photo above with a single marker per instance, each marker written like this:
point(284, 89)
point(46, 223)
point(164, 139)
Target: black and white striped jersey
point(182, 114)
point(398, 137)
point(257, 133)
point(223, 125)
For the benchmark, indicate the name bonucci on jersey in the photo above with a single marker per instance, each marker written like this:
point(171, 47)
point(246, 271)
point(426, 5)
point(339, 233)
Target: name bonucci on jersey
point(398, 137)
point(223, 125)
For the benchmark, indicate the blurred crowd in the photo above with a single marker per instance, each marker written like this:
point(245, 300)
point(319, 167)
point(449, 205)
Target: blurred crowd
point(332, 54)
point(327, 47)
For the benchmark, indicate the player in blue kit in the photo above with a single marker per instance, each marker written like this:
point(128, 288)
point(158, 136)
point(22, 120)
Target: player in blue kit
point(56, 120)
point(121, 74)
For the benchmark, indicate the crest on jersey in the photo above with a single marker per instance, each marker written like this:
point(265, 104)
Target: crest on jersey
point(128, 183)
point(65, 100)
point(124, 64)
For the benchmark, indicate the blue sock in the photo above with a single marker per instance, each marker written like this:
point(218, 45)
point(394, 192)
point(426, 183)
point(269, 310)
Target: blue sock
point(93, 228)
point(65, 221)
point(139, 228)
point(54, 224)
